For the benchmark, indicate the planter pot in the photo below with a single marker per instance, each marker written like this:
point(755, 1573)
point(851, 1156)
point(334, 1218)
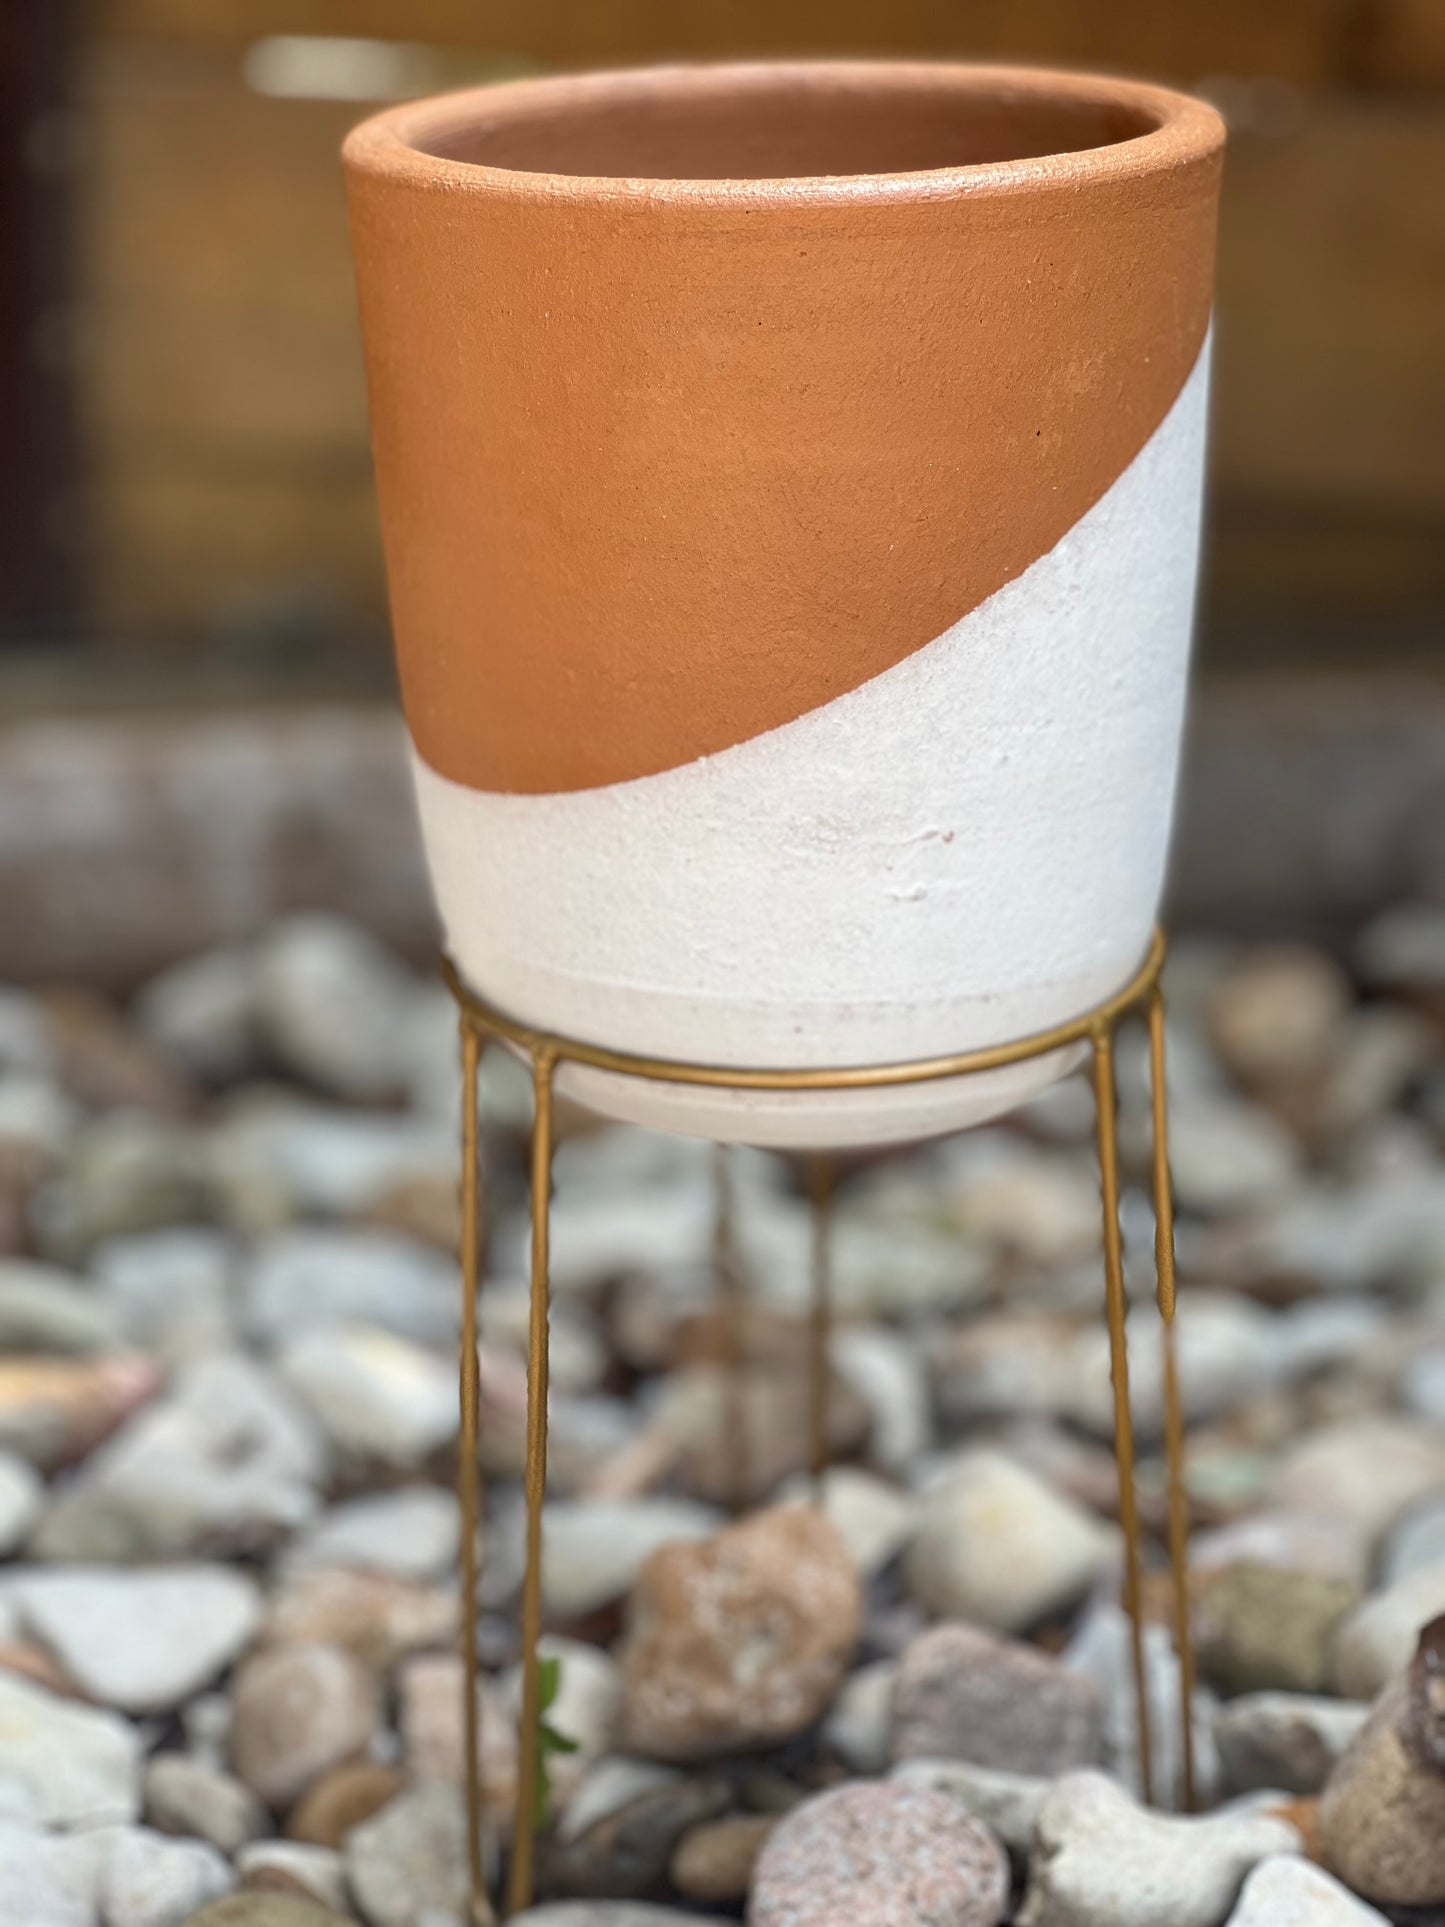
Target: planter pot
point(789, 481)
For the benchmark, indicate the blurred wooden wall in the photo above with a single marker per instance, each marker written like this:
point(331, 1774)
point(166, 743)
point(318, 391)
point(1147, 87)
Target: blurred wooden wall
point(220, 390)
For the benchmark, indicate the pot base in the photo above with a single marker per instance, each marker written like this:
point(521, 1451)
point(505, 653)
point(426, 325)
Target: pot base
point(817, 1120)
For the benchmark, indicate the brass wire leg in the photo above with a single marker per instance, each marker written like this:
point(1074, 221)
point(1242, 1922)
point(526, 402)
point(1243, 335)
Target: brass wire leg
point(1116, 1309)
point(469, 1466)
point(733, 1302)
point(524, 1828)
point(482, 1023)
point(1177, 1499)
point(820, 1320)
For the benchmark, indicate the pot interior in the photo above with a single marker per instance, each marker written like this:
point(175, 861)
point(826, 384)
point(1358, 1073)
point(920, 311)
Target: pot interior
point(731, 124)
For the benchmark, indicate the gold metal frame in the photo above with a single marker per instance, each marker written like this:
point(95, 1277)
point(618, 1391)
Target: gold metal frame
point(481, 1024)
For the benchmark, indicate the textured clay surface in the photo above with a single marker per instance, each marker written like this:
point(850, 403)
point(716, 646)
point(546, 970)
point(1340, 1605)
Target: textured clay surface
point(701, 397)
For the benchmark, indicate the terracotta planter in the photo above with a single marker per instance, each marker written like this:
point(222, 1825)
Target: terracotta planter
point(789, 479)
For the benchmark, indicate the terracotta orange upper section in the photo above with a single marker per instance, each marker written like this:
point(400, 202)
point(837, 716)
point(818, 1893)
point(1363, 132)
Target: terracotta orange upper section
point(666, 460)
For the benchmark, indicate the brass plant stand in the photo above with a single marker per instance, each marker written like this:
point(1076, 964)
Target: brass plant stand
point(482, 1025)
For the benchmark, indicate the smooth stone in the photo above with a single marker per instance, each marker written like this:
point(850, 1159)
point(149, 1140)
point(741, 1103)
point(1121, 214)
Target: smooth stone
point(269, 1865)
point(37, 1121)
point(289, 1159)
point(886, 1370)
point(715, 1861)
point(1041, 1206)
point(859, 1725)
point(1340, 1237)
point(141, 1641)
point(740, 1640)
point(874, 1519)
point(126, 1171)
point(1226, 1155)
point(1100, 1860)
point(341, 1800)
point(593, 1549)
point(313, 1276)
point(22, 1494)
point(609, 1913)
point(46, 1880)
point(997, 1546)
point(1260, 1628)
point(1286, 1891)
point(963, 1694)
point(150, 1880)
point(1226, 1350)
point(1404, 948)
point(202, 1012)
point(413, 1532)
point(606, 1787)
point(1008, 1804)
point(410, 1856)
point(1378, 1638)
point(375, 1615)
point(1276, 1013)
point(880, 1851)
point(170, 1290)
point(54, 1411)
point(263, 1910)
point(226, 1461)
point(1415, 1543)
point(331, 1003)
point(66, 1765)
point(1382, 1814)
point(587, 1708)
point(1289, 1741)
point(772, 1408)
point(626, 1853)
point(378, 1397)
point(1422, 1386)
point(46, 1310)
point(297, 1710)
point(193, 1798)
point(1102, 1649)
point(430, 1696)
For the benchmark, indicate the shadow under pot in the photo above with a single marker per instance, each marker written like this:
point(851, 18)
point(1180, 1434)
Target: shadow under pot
point(790, 483)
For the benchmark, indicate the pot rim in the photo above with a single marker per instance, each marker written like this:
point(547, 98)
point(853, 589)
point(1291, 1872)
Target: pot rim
point(392, 145)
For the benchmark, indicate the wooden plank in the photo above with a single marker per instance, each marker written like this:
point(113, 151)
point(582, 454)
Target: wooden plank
point(1297, 39)
point(1331, 377)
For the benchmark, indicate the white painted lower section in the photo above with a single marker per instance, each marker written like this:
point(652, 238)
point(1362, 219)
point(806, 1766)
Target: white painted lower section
point(966, 850)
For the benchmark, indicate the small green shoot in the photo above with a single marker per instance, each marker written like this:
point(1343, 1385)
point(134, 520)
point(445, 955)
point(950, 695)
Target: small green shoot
point(549, 1740)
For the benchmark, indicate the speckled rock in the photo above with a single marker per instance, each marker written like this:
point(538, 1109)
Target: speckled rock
point(1382, 1815)
point(883, 1853)
point(964, 1694)
point(739, 1640)
point(1099, 1860)
point(1008, 1804)
point(298, 1710)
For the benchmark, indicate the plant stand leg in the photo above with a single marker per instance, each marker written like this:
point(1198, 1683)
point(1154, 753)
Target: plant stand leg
point(1116, 1310)
point(732, 1302)
point(469, 1477)
point(820, 1321)
point(524, 1828)
point(1178, 1502)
